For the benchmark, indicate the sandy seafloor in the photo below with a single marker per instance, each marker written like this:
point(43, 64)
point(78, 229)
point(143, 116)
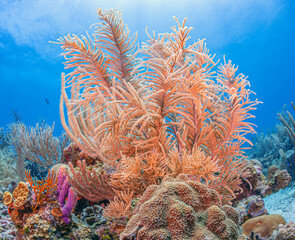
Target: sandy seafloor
point(282, 202)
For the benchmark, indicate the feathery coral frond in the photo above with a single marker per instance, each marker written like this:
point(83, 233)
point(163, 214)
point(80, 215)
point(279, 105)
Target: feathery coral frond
point(147, 170)
point(166, 114)
point(113, 37)
point(91, 185)
point(121, 206)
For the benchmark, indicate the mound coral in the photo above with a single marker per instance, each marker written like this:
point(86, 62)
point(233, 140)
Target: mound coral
point(163, 115)
point(263, 225)
point(179, 209)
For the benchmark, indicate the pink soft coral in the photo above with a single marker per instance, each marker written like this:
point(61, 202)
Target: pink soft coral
point(147, 114)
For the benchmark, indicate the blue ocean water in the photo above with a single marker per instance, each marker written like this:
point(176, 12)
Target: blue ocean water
point(257, 35)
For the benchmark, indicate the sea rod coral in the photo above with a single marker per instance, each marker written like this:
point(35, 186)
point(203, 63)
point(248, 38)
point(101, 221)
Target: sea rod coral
point(173, 111)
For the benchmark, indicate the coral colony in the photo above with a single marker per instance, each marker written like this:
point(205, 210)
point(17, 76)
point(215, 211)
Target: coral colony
point(154, 147)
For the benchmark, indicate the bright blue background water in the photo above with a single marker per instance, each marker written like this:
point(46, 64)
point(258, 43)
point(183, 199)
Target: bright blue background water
point(257, 35)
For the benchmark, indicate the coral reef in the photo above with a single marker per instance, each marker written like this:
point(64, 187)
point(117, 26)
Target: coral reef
point(278, 179)
point(181, 209)
point(38, 207)
point(8, 167)
point(284, 232)
point(7, 230)
point(92, 215)
point(162, 115)
point(159, 140)
point(257, 184)
point(44, 225)
point(65, 191)
point(19, 196)
point(43, 190)
point(262, 226)
point(251, 207)
point(277, 148)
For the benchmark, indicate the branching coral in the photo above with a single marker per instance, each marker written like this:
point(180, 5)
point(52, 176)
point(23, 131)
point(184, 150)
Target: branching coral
point(150, 117)
point(43, 190)
point(278, 147)
point(41, 147)
point(3, 139)
point(17, 130)
point(289, 124)
point(8, 167)
point(121, 206)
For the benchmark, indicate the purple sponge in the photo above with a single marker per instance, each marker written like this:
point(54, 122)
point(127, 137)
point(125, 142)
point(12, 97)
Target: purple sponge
point(65, 191)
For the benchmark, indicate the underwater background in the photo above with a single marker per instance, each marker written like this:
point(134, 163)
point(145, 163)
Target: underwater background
point(258, 36)
point(147, 138)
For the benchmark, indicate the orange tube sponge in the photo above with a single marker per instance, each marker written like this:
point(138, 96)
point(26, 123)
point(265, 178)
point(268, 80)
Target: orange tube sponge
point(181, 208)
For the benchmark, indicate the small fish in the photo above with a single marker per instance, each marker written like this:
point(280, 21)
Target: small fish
point(46, 100)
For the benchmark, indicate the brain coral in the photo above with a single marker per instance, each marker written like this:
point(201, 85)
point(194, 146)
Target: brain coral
point(181, 209)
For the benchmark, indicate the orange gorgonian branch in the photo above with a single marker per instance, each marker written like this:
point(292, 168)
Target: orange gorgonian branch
point(43, 190)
